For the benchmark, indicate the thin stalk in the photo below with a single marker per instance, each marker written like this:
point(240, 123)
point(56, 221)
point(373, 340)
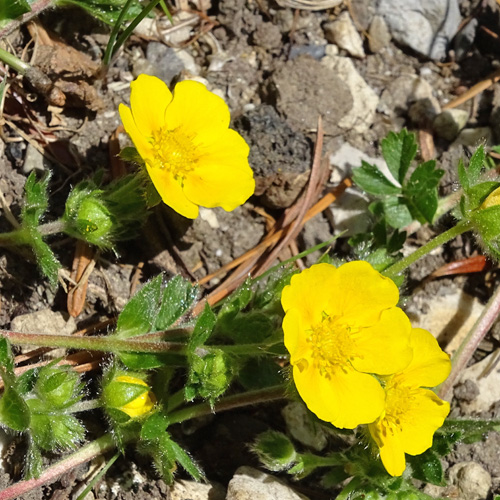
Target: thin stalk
point(54, 227)
point(101, 473)
point(397, 268)
point(131, 27)
point(14, 62)
point(88, 452)
point(469, 345)
point(114, 33)
point(228, 403)
point(99, 343)
point(14, 238)
point(89, 404)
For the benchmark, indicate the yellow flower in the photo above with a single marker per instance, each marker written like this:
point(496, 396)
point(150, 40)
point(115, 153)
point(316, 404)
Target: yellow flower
point(492, 199)
point(342, 325)
point(142, 404)
point(191, 155)
point(412, 414)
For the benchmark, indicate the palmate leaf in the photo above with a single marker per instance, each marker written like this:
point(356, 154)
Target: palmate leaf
point(372, 180)
point(399, 150)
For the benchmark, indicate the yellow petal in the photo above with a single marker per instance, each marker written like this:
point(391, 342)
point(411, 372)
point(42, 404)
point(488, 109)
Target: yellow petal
point(384, 348)
point(492, 200)
point(171, 192)
point(196, 109)
point(362, 293)
point(221, 147)
point(140, 141)
point(346, 398)
point(149, 98)
point(423, 417)
point(391, 449)
point(225, 182)
point(430, 365)
point(295, 337)
point(311, 293)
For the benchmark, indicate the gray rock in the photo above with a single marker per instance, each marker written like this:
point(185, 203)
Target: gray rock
point(450, 122)
point(306, 89)
point(465, 38)
point(473, 482)
point(182, 490)
point(473, 137)
point(44, 321)
point(426, 26)
point(166, 65)
point(361, 114)
point(343, 33)
point(34, 160)
point(379, 35)
point(252, 484)
point(303, 427)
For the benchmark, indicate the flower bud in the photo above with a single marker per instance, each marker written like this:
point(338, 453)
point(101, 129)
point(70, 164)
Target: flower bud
point(493, 199)
point(131, 395)
point(275, 451)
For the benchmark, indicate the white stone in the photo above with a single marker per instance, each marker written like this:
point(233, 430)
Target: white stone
point(181, 490)
point(209, 216)
point(378, 34)
point(486, 376)
point(473, 482)
point(303, 427)
point(450, 122)
point(343, 33)
point(44, 321)
point(362, 114)
point(252, 484)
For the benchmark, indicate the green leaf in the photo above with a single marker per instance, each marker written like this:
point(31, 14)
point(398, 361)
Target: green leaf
point(11, 9)
point(421, 190)
point(14, 412)
point(53, 432)
point(33, 468)
point(154, 427)
point(397, 213)
point(396, 241)
point(399, 150)
point(478, 193)
point(45, 257)
point(373, 181)
point(476, 164)
point(106, 11)
point(203, 329)
point(36, 199)
point(179, 296)
point(187, 463)
point(260, 372)
point(149, 361)
point(467, 430)
point(139, 315)
point(427, 467)
point(275, 450)
point(462, 175)
point(6, 358)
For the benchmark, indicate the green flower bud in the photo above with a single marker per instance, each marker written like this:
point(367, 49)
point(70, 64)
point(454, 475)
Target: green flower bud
point(102, 216)
point(210, 376)
point(486, 223)
point(130, 395)
point(58, 386)
point(275, 451)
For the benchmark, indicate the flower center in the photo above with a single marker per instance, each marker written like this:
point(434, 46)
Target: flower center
point(174, 151)
point(399, 401)
point(332, 345)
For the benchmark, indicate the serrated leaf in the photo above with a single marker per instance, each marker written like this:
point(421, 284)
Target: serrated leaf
point(373, 181)
point(36, 199)
point(398, 151)
point(183, 459)
point(139, 315)
point(463, 178)
point(467, 430)
point(179, 296)
point(397, 213)
point(427, 467)
point(203, 329)
point(154, 427)
point(14, 412)
point(421, 190)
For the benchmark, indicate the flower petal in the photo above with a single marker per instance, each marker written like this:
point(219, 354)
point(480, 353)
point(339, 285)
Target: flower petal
point(430, 364)
point(362, 293)
point(140, 142)
point(171, 192)
point(346, 398)
point(149, 98)
point(423, 417)
point(391, 449)
point(311, 293)
point(384, 348)
point(223, 177)
point(295, 337)
point(196, 109)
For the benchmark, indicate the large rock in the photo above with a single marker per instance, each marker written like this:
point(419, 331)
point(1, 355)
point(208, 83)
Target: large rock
point(472, 480)
point(426, 26)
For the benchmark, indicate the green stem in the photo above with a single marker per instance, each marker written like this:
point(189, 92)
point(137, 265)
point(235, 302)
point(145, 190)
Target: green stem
point(54, 227)
point(397, 268)
point(99, 343)
point(14, 62)
point(89, 404)
point(228, 403)
point(14, 238)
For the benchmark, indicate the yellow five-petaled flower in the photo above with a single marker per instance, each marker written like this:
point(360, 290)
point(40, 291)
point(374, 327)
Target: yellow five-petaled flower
point(412, 414)
point(192, 156)
point(341, 326)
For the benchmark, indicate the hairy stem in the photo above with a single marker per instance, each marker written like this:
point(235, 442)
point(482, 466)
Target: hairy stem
point(397, 268)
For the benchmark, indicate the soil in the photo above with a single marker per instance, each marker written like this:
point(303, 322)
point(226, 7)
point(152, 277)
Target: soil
point(266, 61)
